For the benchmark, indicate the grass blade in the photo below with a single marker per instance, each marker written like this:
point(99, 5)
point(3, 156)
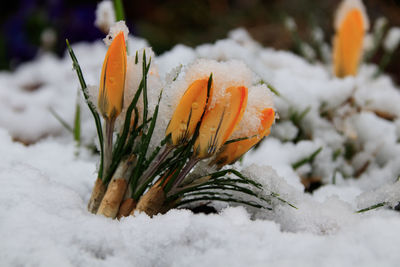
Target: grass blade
point(228, 200)
point(308, 159)
point(61, 120)
point(372, 207)
point(77, 123)
point(96, 116)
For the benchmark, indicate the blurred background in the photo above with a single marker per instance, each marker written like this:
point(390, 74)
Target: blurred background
point(30, 26)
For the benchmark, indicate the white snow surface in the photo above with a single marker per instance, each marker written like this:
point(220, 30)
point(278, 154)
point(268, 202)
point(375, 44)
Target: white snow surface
point(105, 15)
point(392, 39)
point(44, 187)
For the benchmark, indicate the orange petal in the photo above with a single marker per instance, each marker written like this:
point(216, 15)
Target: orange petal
point(188, 112)
point(233, 151)
point(219, 122)
point(348, 43)
point(112, 82)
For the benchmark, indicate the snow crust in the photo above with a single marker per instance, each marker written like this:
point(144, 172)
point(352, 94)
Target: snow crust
point(44, 187)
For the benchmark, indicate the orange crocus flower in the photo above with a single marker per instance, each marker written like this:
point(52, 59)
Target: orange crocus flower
point(348, 43)
point(220, 121)
point(112, 81)
point(188, 112)
point(233, 151)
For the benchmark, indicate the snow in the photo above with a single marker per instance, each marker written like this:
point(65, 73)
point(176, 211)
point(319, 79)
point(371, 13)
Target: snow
point(392, 39)
point(45, 186)
point(346, 6)
point(48, 38)
point(290, 24)
point(133, 78)
point(45, 223)
point(368, 43)
point(116, 28)
point(105, 15)
point(259, 98)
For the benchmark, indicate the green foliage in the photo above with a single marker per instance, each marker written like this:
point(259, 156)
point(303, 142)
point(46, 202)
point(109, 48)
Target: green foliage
point(76, 129)
point(61, 120)
point(77, 123)
point(377, 36)
point(306, 160)
point(372, 207)
point(92, 109)
point(119, 10)
point(270, 87)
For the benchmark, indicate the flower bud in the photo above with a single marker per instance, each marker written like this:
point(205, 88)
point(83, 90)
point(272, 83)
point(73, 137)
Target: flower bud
point(220, 121)
point(233, 151)
point(350, 25)
point(188, 112)
point(112, 82)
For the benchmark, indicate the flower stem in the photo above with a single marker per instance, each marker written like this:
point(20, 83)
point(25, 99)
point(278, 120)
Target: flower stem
point(108, 144)
point(193, 161)
point(156, 163)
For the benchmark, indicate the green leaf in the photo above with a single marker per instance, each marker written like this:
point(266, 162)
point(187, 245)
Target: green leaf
point(239, 139)
point(145, 146)
point(77, 123)
point(119, 10)
point(145, 98)
point(220, 184)
point(270, 87)
point(228, 200)
point(92, 109)
point(296, 118)
point(306, 160)
point(122, 146)
point(61, 120)
point(146, 137)
point(273, 89)
point(377, 35)
point(372, 207)
point(385, 60)
point(237, 174)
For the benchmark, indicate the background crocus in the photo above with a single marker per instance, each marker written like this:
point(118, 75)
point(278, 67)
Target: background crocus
point(351, 24)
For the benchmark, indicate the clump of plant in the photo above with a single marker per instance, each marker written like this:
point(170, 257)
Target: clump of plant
point(211, 126)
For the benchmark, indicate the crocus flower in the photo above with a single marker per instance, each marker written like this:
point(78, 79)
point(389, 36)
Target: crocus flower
point(112, 82)
point(220, 121)
point(233, 151)
point(350, 25)
point(188, 112)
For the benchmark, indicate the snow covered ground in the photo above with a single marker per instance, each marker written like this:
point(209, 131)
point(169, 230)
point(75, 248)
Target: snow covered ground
point(44, 187)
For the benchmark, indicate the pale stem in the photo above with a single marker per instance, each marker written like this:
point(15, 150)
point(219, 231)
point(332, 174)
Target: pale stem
point(188, 167)
point(108, 144)
point(156, 163)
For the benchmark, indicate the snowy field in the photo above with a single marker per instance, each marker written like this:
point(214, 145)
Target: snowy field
point(45, 186)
